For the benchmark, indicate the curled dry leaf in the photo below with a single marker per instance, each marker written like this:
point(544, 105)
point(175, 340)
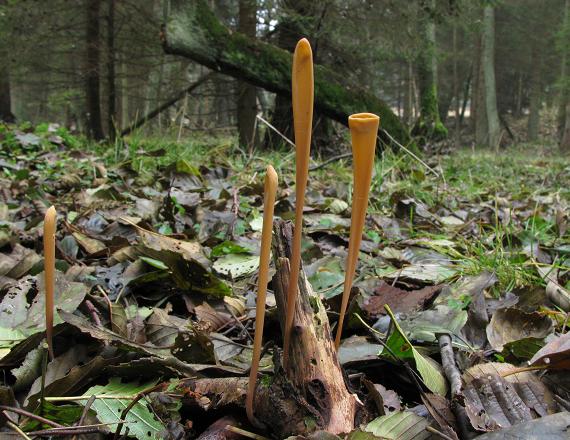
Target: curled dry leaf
point(399, 300)
point(555, 354)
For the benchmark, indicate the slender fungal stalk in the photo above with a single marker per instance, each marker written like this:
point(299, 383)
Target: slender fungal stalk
point(364, 130)
point(263, 279)
point(303, 95)
point(49, 272)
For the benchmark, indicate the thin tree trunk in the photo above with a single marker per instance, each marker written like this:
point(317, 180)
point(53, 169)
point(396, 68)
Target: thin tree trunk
point(112, 98)
point(565, 138)
point(480, 114)
point(466, 89)
point(455, 87)
point(519, 98)
point(488, 60)
point(564, 106)
point(535, 96)
point(93, 81)
point(408, 94)
point(247, 94)
point(429, 123)
point(475, 94)
point(5, 95)
point(124, 116)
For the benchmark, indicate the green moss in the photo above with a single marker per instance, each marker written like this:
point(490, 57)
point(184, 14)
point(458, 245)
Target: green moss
point(194, 32)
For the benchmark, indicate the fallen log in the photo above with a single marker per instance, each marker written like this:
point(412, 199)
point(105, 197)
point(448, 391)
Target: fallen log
point(194, 32)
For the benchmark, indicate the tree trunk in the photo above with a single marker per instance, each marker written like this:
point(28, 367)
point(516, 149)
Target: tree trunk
point(92, 85)
point(564, 106)
point(565, 138)
point(479, 112)
point(247, 94)
point(455, 88)
point(535, 96)
point(409, 93)
point(124, 116)
point(429, 123)
point(490, 90)
point(194, 32)
point(5, 95)
point(112, 98)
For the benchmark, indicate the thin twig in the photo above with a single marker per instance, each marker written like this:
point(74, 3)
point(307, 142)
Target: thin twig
point(414, 156)
point(438, 433)
point(109, 304)
point(98, 396)
point(285, 138)
point(240, 324)
point(245, 433)
point(84, 414)
point(332, 159)
point(30, 415)
point(72, 430)
point(138, 397)
point(17, 429)
point(448, 363)
point(94, 313)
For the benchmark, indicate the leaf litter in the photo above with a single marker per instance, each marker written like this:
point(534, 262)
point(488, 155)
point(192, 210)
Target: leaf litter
point(157, 259)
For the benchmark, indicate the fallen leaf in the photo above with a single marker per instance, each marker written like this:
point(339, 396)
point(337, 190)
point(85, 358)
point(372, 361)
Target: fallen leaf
point(399, 300)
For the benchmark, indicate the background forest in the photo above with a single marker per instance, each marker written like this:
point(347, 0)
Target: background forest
point(474, 72)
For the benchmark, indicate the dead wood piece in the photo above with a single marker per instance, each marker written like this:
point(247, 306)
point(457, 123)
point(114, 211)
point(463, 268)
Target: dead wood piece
point(218, 431)
point(313, 371)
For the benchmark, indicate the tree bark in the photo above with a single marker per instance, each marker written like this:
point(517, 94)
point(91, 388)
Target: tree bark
point(92, 85)
point(5, 95)
point(408, 93)
point(565, 138)
point(535, 96)
point(194, 32)
point(490, 90)
point(564, 106)
point(429, 123)
point(247, 94)
point(314, 380)
point(456, 135)
point(112, 98)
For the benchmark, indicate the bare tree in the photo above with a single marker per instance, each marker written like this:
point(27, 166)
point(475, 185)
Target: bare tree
point(247, 93)
point(488, 69)
point(92, 84)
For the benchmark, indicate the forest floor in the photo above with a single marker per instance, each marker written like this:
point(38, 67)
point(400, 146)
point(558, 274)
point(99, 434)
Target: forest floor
point(157, 253)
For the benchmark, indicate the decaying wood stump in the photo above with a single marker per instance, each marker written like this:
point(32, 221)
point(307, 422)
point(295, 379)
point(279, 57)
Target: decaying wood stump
point(312, 393)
